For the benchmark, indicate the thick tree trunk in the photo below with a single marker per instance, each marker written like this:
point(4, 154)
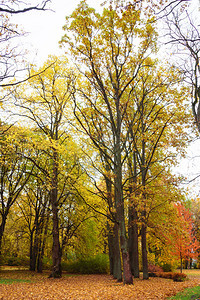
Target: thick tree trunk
point(113, 237)
point(42, 247)
point(2, 228)
point(190, 265)
point(117, 268)
point(110, 249)
point(127, 276)
point(133, 242)
point(133, 219)
point(181, 263)
point(119, 202)
point(144, 251)
point(56, 249)
point(32, 259)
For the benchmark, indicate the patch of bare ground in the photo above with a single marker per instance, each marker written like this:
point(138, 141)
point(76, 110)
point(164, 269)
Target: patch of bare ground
point(87, 287)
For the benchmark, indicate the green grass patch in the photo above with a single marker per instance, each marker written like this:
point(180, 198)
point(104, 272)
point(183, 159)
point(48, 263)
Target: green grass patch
point(10, 280)
point(188, 294)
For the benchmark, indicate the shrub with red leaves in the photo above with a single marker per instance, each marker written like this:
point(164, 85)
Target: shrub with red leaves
point(153, 268)
point(179, 277)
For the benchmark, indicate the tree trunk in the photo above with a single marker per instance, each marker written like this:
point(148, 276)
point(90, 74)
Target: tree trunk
point(117, 268)
point(113, 236)
point(144, 251)
point(114, 253)
point(133, 218)
point(111, 248)
point(41, 252)
point(2, 228)
point(133, 242)
point(190, 265)
point(56, 249)
point(32, 259)
point(127, 276)
point(181, 263)
point(119, 202)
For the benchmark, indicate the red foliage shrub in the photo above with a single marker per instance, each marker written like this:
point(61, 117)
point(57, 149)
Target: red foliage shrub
point(170, 275)
point(167, 275)
point(153, 268)
point(179, 277)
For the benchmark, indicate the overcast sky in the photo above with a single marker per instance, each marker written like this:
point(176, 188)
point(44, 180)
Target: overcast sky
point(44, 28)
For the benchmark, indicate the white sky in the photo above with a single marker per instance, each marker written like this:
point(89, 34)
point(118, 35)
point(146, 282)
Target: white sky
point(45, 28)
point(45, 31)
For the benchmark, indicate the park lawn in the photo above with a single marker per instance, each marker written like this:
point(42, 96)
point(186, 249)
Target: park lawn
point(31, 285)
point(194, 273)
point(187, 294)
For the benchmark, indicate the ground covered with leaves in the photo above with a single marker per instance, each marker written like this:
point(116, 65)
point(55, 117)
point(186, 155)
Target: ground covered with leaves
point(28, 285)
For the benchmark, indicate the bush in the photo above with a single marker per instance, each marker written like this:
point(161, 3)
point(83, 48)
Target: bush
point(16, 261)
point(167, 267)
point(92, 265)
point(170, 275)
point(153, 268)
point(179, 277)
point(167, 275)
point(47, 263)
point(195, 266)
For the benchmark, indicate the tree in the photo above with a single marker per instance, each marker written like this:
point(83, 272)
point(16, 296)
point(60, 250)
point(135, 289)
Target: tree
point(15, 171)
point(106, 86)
point(185, 244)
point(156, 118)
point(124, 112)
point(46, 108)
point(34, 207)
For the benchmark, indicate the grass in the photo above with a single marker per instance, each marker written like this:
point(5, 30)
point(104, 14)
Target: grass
point(188, 294)
point(11, 280)
point(194, 273)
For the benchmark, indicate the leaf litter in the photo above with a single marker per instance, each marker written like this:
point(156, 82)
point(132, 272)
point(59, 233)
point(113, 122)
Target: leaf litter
point(87, 287)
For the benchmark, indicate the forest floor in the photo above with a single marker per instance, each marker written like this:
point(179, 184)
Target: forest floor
point(22, 284)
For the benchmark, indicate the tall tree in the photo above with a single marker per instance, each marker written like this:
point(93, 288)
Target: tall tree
point(15, 171)
point(156, 118)
point(47, 108)
point(185, 244)
point(34, 208)
point(107, 85)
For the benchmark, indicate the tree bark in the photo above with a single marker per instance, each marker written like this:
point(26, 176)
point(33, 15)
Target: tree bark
point(127, 276)
point(133, 242)
point(113, 236)
point(2, 228)
point(181, 263)
point(133, 218)
point(32, 259)
point(144, 251)
point(41, 252)
point(117, 268)
point(119, 200)
point(56, 249)
point(111, 248)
